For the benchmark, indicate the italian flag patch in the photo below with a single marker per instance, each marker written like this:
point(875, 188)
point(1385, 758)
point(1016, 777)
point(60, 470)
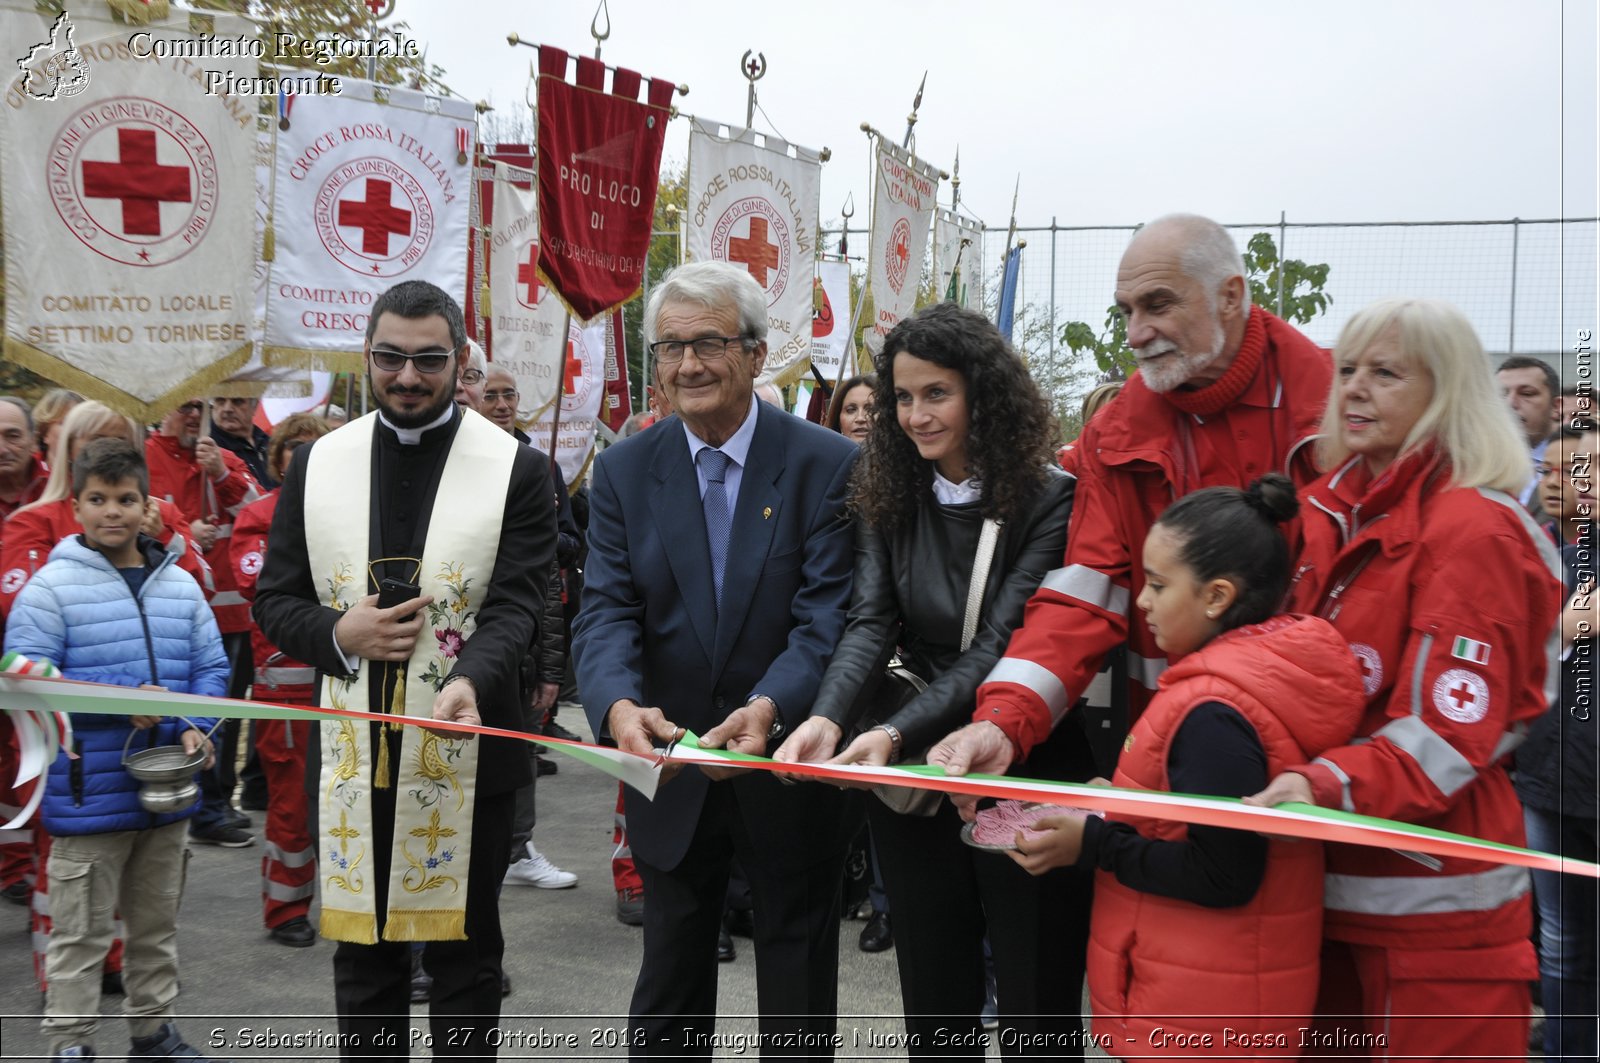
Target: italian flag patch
point(1466, 649)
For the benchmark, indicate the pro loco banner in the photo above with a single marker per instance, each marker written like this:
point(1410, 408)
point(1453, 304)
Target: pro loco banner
point(753, 201)
point(830, 322)
point(902, 208)
point(600, 161)
point(128, 195)
point(528, 321)
point(365, 194)
point(958, 259)
point(591, 351)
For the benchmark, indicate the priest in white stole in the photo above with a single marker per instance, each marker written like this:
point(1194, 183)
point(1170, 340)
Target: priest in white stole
point(414, 824)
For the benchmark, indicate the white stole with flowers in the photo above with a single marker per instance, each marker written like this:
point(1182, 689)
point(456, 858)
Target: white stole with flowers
point(436, 776)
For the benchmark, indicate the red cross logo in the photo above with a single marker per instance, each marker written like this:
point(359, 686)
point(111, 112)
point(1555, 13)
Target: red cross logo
point(375, 217)
point(1462, 696)
point(902, 253)
point(757, 254)
point(141, 183)
point(528, 275)
point(572, 371)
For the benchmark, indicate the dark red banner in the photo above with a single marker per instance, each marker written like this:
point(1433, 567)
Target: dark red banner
point(599, 161)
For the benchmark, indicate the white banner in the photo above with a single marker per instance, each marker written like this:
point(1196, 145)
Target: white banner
point(527, 317)
point(958, 250)
point(830, 328)
point(585, 389)
point(365, 195)
point(753, 201)
point(128, 203)
point(903, 194)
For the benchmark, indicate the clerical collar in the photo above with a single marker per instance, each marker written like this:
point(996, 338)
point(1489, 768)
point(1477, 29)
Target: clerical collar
point(412, 436)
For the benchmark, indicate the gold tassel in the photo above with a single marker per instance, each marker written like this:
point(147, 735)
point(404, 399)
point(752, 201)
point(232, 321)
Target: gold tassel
point(483, 300)
point(380, 779)
point(269, 243)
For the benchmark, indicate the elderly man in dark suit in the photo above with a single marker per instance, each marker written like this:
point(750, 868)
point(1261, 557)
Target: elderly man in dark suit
point(718, 580)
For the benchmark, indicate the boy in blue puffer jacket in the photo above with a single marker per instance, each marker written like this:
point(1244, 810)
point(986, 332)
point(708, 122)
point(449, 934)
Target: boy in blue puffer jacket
point(111, 607)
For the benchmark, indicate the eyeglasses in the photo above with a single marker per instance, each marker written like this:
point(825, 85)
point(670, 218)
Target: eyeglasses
point(191, 408)
point(472, 376)
point(392, 361)
point(706, 348)
point(509, 395)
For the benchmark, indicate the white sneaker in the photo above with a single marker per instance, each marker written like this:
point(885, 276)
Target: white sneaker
point(536, 870)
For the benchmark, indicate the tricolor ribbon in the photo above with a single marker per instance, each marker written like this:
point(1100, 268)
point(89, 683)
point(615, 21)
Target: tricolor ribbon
point(29, 692)
point(285, 105)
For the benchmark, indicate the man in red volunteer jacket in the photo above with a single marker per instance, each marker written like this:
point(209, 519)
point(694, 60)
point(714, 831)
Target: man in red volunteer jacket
point(210, 486)
point(1224, 393)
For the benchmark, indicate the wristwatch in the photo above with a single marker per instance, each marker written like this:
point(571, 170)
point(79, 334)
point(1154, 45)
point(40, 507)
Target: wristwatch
point(777, 717)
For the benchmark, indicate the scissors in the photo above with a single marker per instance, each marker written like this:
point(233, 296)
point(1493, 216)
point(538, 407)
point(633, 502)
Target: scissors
point(677, 736)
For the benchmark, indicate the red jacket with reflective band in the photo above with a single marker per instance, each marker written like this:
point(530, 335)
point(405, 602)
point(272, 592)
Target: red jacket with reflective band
point(175, 477)
point(1449, 598)
point(1138, 456)
point(1156, 961)
point(277, 678)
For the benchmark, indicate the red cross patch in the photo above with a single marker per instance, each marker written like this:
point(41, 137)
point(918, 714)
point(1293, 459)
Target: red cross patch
point(1461, 695)
point(250, 563)
point(1371, 667)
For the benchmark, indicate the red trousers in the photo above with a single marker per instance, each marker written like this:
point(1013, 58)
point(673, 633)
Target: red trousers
point(1441, 1004)
point(289, 861)
point(623, 874)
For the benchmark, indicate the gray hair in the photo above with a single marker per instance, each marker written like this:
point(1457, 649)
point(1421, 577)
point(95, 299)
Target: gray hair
point(27, 414)
point(475, 358)
point(714, 285)
point(1209, 254)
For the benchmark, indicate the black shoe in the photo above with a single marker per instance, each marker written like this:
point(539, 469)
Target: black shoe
point(421, 981)
point(630, 906)
point(165, 1043)
point(555, 730)
point(725, 950)
point(545, 767)
point(18, 892)
point(223, 834)
point(505, 985)
point(111, 984)
point(296, 933)
point(74, 1052)
point(740, 921)
point(877, 935)
point(234, 818)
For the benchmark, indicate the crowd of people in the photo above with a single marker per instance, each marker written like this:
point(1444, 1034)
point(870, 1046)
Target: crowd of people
point(1359, 579)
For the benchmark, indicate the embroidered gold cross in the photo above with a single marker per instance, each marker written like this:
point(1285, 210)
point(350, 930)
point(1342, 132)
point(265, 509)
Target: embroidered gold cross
point(433, 832)
point(344, 832)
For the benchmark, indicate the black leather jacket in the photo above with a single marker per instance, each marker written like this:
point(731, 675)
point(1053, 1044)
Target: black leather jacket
point(911, 592)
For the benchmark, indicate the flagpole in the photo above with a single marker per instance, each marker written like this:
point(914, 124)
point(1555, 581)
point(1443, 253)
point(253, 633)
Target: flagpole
point(555, 417)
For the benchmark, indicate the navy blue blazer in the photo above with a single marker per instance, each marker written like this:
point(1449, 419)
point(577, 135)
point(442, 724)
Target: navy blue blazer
point(649, 628)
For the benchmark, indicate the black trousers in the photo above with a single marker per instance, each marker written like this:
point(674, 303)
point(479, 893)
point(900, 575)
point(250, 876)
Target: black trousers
point(372, 983)
point(796, 941)
point(945, 895)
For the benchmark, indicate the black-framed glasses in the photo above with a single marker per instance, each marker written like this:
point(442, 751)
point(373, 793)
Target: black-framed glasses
point(392, 361)
point(473, 376)
point(191, 408)
point(706, 348)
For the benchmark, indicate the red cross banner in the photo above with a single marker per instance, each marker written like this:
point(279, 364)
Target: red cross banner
point(366, 193)
point(830, 321)
point(600, 162)
point(128, 193)
point(753, 201)
point(958, 258)
point(904, 188)
point(590, 349)
point(528, 321)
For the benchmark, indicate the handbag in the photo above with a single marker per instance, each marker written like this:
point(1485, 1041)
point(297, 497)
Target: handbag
point(904, 684)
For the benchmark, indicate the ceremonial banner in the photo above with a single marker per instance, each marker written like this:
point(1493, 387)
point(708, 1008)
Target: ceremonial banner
point(902, 209)
point(365, 194)
point(617, 406)
point(527, 319)
point(958, 259)
point(600, 163)
point(129, 199)
point(1009, 281)
point(830, 327)
point(753, 202)
point(582, 397)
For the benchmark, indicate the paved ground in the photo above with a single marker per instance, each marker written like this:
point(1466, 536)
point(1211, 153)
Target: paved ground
point(571, 963)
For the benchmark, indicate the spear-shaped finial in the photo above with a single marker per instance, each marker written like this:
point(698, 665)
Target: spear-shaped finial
point(594, 27)
point(911, 119)
point(955, 181)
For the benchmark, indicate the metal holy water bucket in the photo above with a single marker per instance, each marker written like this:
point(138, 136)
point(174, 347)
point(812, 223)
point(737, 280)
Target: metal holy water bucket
point(165, 773)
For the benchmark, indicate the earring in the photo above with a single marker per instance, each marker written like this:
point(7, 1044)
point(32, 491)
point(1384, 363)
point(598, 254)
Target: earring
point(1211, 614)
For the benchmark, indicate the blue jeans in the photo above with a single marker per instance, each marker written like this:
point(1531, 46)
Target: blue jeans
point(1569, 936)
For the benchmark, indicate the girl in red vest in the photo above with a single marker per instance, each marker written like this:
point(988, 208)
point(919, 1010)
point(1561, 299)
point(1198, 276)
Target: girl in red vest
point(1204, 940)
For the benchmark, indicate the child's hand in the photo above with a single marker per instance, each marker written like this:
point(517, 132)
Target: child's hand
point(143, 723)
point(1060, 846)
point(193, 740)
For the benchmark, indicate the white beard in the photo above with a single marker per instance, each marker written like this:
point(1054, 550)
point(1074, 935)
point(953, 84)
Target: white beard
point(1176, 370)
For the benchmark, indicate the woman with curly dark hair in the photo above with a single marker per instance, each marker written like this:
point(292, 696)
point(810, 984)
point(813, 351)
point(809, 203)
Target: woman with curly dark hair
point(956, 486)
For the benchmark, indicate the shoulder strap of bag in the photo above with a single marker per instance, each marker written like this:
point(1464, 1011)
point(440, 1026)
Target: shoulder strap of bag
point(980, 578)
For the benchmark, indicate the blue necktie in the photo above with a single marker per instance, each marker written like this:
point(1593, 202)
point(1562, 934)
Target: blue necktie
point(719, 522)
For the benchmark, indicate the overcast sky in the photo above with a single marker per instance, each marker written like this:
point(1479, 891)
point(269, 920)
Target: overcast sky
point(1114, 112)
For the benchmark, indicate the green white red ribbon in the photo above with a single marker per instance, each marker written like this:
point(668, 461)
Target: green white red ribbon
point(33, 693)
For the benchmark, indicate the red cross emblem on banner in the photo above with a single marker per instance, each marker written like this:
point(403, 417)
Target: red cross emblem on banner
point(376, 217)
point(755, 253)
point(572, 371)
point(138, 180)
point(528, 277)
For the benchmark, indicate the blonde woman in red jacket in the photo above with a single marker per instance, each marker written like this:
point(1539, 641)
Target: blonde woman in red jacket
point(1417, 551)
point(1204, 941)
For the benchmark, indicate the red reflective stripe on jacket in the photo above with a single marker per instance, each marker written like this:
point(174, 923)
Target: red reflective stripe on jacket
point(1129, 470)
point(1422, 566)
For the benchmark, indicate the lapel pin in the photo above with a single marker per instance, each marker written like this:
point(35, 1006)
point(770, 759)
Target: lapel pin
point(766, 513)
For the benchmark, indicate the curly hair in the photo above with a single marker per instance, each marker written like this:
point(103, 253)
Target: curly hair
point(1011, 431)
